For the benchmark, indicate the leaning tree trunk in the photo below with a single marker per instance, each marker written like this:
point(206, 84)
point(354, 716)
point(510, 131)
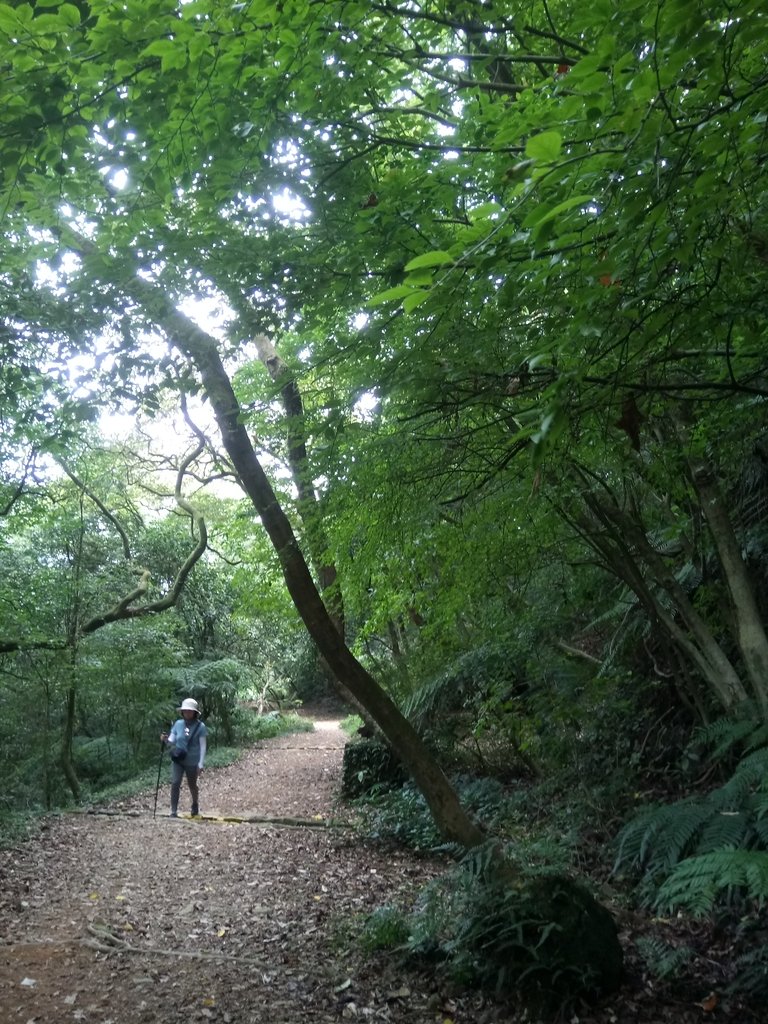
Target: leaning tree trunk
point(749, 628)
point(308, 505)
point(588, 936)
point(451, 819)
point(586, 942)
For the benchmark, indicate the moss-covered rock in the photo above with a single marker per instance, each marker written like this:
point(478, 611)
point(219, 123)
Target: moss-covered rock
point(547, 940)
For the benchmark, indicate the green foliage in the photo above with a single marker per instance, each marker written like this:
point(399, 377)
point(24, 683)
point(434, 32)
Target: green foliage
point(216, 685)
point(492, 669)
point(701, 850)
point(698, 883)
point(250, 727)
point(103, 760)
point(145, 781)
point(369, 764)
point(350, 724)
point(402, 814)
point(662, 959)
point(386, 928)
point(516, 938)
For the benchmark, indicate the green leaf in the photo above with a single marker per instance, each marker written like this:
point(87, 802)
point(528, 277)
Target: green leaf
point(70, 14)
point(9, 21)
point(391, 294)
point(544, 147)
point(542, 214)
point(438, 258)
point(410, 302)
point(159, 48)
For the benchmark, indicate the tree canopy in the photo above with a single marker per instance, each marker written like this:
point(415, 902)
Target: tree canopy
point(475, 292)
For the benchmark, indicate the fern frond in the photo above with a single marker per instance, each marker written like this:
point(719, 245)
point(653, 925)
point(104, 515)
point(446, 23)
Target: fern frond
point(750, 773)
point(745, 731)
point(662, 959)
point(428, 698)
point(724, 829)
point(725, 734)
point(696, 883)
point(751, 974)
point(659, 838)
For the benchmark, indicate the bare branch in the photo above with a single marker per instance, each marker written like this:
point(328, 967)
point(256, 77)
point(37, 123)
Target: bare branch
point(100, 505)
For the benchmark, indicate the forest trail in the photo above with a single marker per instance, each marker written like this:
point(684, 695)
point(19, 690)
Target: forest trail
point(123, 918)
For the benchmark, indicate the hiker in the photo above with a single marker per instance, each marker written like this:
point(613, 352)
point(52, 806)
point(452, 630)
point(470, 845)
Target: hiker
point(188, 739)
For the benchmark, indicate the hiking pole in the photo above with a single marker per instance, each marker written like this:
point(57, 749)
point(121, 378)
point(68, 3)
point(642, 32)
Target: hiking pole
point(159, 769)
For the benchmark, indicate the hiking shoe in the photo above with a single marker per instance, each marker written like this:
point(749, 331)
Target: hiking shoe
point(173, 814)
point(194, 813)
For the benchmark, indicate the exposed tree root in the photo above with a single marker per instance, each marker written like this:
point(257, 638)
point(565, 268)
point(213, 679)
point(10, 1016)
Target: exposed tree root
point(213, 819)
point(104, 941)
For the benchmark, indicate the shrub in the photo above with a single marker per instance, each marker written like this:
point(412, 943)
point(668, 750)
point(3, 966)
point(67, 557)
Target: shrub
point(103, 760)
point(402, 814)
point(542, 938)
point(369, 764)
point(385, 928)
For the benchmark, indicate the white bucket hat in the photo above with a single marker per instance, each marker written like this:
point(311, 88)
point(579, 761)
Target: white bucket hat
point(189, 704)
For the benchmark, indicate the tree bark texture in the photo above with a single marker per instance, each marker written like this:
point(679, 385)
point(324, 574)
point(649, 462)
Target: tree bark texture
point(622, 543)
point(750, 631)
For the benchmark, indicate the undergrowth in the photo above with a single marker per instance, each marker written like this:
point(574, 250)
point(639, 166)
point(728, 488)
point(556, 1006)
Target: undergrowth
point(531, 932)
point(402, 814)
point(18, 827)
point(351, 724)
point(709, 849)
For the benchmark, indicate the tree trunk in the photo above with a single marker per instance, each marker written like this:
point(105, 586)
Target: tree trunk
point(67, 739)
point(308, 505)
point(452, 821)
point(625, 548)
point(750, 632)
point(585, 915)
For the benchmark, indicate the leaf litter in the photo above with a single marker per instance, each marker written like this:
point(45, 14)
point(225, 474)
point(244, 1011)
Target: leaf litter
point(122, 918)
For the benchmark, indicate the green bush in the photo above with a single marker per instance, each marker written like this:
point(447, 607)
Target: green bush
point(402, 814)
point(247, 727)
point(351, 724)
point(385, 928)
point(369, 764)
point(103, 760)
point(542, 937)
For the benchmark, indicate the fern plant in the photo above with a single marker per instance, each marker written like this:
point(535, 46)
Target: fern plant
point(697, 883)
point(751, 974)
point(705, 849)
point(662, 960)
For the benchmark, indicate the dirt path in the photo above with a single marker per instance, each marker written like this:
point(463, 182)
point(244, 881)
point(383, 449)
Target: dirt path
point(94, 914)
point(126, 919)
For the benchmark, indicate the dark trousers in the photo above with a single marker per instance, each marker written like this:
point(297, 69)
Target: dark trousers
point(178, 771)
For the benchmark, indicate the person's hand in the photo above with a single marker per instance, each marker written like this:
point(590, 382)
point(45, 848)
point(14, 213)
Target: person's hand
point(163, 737)
point(200, 771)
